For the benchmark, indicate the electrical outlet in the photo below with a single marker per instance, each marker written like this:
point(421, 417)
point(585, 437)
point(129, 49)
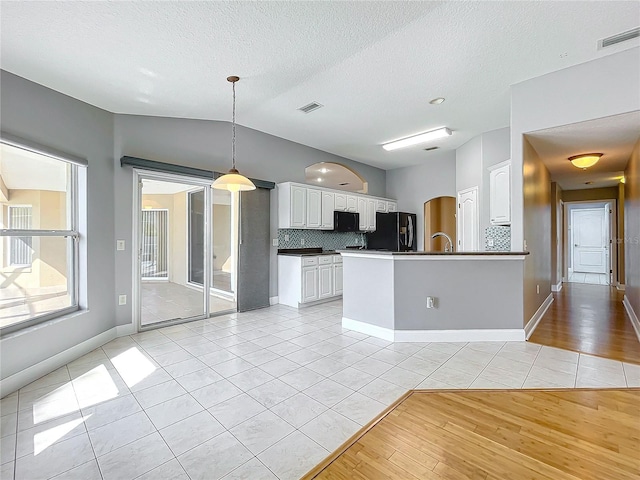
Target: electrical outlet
point(302, 241)
point(538, 289)
point(122, 299)
point(120, 245)
point(490, 242)
point(431, 302)
point(275, 242)
point(525, 245)
point(286, 238)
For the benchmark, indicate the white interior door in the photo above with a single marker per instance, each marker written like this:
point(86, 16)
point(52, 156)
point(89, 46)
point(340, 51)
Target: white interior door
point(590, 230)
point(468, 221)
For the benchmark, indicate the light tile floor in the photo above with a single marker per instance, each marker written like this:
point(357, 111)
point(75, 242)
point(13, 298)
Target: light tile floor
point(592, 278)
point(260, 395)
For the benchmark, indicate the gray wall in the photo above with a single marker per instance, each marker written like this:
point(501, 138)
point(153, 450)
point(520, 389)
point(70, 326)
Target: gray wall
point(632, 229)
point(55, 120)
point(600, 88)
point(207, 145)
point(413, 186)
point(537, 230)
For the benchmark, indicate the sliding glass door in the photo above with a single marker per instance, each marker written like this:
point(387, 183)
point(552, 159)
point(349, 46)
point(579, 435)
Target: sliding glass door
point(187, 259)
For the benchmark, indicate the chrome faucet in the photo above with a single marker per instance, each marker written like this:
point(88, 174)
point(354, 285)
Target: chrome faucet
point(449, 245)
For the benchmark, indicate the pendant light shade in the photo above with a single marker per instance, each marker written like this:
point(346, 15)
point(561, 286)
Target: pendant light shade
point(233, 181)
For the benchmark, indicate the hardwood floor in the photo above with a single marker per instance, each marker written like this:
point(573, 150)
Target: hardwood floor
point(589, 319)
point(530, 434)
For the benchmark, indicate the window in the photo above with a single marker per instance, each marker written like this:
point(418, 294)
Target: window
point(38, 220)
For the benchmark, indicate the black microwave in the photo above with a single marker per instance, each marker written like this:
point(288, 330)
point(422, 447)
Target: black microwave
point(346, 221)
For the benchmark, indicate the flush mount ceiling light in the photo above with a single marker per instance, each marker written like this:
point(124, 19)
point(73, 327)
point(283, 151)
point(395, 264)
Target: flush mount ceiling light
point(323, 170)
point(420, 138)
point(437, 101)
point(233, 181)
point(585, 160)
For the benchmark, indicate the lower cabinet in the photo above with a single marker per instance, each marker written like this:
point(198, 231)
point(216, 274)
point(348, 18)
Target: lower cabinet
point(308, 279)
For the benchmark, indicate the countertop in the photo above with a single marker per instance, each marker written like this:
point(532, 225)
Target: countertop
point(451, 254)
point(305, 252)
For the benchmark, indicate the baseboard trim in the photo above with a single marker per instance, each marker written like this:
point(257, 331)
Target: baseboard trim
point(466, 335)
point(620, 287)
point(556, 288)
point(632, 315)
point(274, 300)
point(123, 330)
point(532, 324)
point(34, 372)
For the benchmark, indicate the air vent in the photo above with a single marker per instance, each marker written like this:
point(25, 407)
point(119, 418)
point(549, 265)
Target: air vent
point(311, 107)
point(619, 38)
point(431, 148)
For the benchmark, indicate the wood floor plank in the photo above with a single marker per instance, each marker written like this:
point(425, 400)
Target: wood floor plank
point(498, 434)
point(589, 319)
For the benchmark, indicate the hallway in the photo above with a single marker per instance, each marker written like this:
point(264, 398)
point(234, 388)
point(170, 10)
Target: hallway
point(589, 319)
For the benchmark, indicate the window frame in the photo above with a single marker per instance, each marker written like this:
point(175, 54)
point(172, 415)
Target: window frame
point(72, 232)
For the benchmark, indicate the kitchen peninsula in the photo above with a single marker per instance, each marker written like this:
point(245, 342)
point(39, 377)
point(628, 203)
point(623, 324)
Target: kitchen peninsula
point(434, 296)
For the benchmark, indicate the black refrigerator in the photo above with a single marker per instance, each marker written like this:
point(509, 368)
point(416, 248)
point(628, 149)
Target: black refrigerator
point(395, 232)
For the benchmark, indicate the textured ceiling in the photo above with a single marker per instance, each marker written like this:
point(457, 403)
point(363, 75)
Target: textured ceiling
point(614, 136)
point(374, 65)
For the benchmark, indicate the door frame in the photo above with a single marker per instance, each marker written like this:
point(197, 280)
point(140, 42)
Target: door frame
point(613, 223)
point(136, 303)
point(459, 217)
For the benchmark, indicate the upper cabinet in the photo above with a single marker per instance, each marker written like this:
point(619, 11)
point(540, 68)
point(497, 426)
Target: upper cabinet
point(500, 193)
point(305, 207)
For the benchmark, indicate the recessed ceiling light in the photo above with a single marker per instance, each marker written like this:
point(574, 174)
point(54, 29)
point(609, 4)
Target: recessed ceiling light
point(420, 138)
point(437, 101)
point(585, 160)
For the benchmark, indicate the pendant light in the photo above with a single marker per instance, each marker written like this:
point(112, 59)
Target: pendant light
point(233, 181)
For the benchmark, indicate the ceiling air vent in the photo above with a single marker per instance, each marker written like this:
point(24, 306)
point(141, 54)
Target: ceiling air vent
point(619, 38)
point(311, 107)
point(430, 148)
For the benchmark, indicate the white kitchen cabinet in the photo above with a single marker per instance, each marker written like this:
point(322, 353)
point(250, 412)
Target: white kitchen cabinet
point(362, 211)
point(308, 207)
point(371, 215)
point(306, 280)
point(328, 206)
point(314, 208)
point(340, 202)
point(337, 279)
point(381, 206)
point(352, 203)
point(500, 193)
point(325, 281)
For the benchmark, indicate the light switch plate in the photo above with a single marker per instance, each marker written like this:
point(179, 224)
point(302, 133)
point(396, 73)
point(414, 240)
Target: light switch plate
point(119, 244)
point(275, 242)
point(122, 299)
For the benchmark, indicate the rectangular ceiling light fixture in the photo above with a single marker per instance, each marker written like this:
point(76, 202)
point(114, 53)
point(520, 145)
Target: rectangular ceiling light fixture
point(416, 139)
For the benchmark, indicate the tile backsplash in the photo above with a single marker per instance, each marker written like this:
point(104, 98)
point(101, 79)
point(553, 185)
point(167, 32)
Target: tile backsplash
point(328, 240)
point(501, 236)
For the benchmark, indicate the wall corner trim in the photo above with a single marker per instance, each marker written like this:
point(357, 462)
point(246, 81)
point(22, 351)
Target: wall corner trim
point(632, 316)
point(467, 335)
point(532, 324)
point(556, 288)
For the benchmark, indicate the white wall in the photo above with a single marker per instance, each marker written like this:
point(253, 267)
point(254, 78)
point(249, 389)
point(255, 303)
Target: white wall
point(600, 88)
point(413, 186)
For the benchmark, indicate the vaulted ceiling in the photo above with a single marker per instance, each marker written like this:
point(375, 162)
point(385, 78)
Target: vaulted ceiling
point(373, 65)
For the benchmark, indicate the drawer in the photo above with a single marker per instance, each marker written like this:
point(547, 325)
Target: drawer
point(309, 261)
point(337, 259)
point(325, 260)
